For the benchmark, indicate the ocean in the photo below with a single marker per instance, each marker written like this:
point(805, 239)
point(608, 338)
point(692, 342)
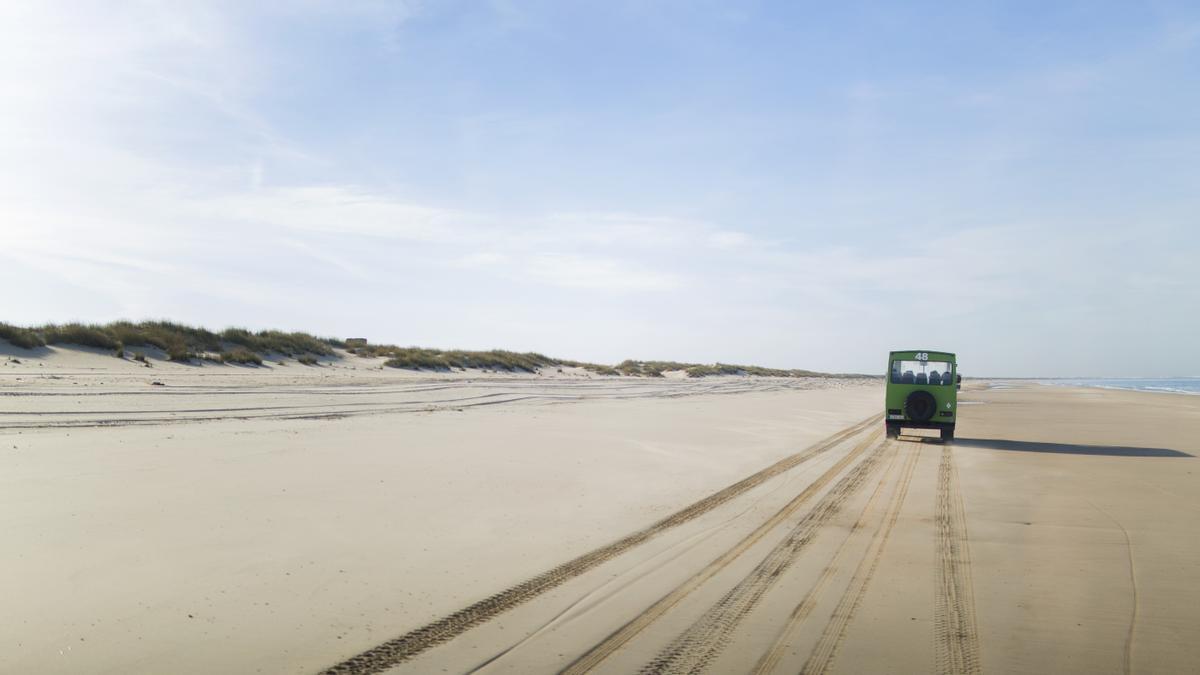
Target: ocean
point(1177, 385)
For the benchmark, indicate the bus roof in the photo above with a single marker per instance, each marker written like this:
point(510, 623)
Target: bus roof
point(928, 351)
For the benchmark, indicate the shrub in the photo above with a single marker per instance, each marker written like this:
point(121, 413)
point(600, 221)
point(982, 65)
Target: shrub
point(278, 341)
point(179, 341)
point(662, 366)
point(126, 333)
point(24, 338)
point(166, 335)
point(755, 371)
point(241, 356)
point(715, 369)
point(629, 368)
point(184, 343)
point(436, 359)
point(180, 356)
point(417, 359)
point(79, 334)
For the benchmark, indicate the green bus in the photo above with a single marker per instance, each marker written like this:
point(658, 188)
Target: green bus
point(922, 392)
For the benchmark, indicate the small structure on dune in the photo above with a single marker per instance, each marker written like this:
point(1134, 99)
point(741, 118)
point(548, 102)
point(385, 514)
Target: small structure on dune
point(355, 343)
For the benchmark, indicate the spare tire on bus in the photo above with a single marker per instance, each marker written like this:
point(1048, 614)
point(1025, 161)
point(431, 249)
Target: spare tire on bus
point(920, 406)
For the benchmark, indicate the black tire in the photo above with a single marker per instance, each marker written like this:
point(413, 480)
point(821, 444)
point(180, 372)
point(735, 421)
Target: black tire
point(947, 434)
point(920, 406)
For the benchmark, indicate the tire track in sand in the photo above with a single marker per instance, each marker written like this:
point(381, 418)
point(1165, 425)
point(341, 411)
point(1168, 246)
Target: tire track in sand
point(826, 648)
point(416, 641)
point(376, 403)
point(613, 642)
point(1133, 617)
point(955, 635)
point(771, 658)
point(704, 640)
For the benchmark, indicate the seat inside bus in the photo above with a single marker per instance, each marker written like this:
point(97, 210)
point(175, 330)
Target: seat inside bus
point(935, 377)
point(907, 378)
point(922, 378)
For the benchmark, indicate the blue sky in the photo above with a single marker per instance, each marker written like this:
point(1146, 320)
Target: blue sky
point(790, 184)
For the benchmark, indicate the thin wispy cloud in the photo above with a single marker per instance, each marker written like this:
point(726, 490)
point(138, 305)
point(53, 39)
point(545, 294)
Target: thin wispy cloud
point(613, 182)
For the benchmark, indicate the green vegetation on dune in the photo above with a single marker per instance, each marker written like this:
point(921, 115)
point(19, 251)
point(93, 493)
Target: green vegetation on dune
point(417, 358)
point(180, 342)
point(657, 368)
point(757, 371)
point(436, 359)
point(598, 368)
point(280, 342)
point(241, 356)
point(651, 368)
point(79, 334)
point(241, 346)
point(24, 338)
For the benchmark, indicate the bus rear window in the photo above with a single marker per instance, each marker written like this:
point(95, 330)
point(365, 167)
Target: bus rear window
point(922, 372)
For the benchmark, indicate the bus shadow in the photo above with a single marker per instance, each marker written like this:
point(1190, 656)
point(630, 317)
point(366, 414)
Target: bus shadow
point(920, 439)
point(1068, 448)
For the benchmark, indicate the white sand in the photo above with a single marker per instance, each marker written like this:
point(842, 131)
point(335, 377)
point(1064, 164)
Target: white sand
point(208, 525)
point(288, 519)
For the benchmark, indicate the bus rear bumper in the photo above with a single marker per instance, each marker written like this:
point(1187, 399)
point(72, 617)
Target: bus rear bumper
point(894, 426)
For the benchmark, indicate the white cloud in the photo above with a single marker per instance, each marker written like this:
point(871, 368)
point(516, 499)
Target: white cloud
point(482, 259)
point(346, 210)
point(728, 239)
point(622, 230)
point(601, 274)
point(143, 175)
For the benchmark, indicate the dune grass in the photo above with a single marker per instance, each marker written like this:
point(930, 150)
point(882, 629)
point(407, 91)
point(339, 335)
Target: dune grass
point(25, 338)
point(657, 368)
point(279, 342)
point(184, 343)
point(597, 368)
point(651, 368)
point(180, 342)
point(79, 334)
point(419, 358)
point(435, 359)
point(241, 356)
point(703, 370)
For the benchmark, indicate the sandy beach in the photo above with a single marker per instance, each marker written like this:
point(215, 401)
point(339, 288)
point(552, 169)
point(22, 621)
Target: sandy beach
point(549, 338)
point(296, 519)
